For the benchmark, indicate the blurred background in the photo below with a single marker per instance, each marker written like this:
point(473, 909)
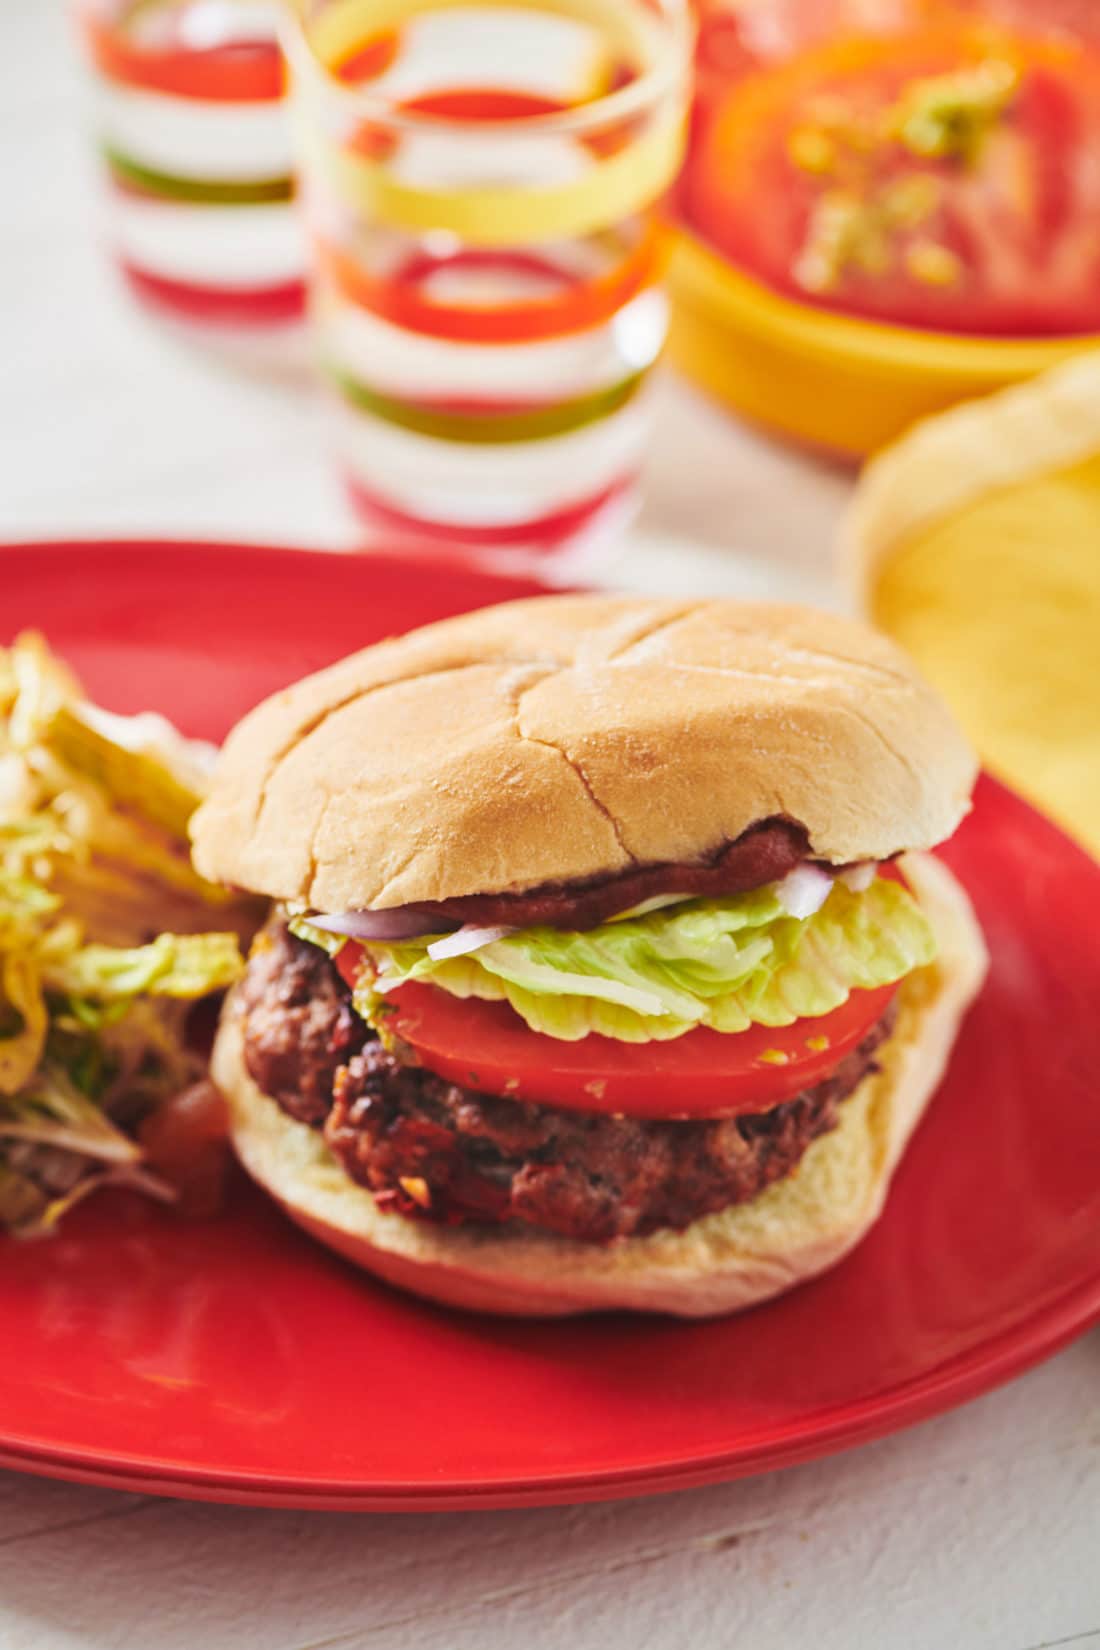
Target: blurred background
point(121, 421)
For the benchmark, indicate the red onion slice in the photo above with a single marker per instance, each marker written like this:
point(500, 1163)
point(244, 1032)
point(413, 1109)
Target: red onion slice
point(401, 922)
point(469, 938)
point(804, 890)
point(801, 893)
point(657, 903)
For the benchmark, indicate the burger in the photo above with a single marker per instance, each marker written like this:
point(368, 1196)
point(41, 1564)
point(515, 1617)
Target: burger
point(608, 965)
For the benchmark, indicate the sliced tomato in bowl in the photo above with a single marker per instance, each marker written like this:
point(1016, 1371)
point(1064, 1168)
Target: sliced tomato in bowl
point(487, 1046)
point(945, 178)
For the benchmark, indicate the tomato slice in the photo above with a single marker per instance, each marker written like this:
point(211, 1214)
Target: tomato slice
point(488, 1047)
point(803, 175)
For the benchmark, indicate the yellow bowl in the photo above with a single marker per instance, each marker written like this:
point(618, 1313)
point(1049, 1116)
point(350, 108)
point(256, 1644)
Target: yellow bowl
point(836, 382)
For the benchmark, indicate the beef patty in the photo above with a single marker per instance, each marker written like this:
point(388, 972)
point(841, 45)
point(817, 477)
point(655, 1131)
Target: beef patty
point(299, 1025)
point(430, 1150)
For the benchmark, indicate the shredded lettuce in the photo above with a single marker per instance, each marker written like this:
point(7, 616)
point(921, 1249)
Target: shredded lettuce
point(172, 965)
point(330, 944)
point(24, 1022)
point(724, 963)
point(107, 935)
point(53, 1111)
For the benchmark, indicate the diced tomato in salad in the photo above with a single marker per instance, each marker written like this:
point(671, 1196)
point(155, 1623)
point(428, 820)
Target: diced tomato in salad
point(946, 177)
point(186, 1143)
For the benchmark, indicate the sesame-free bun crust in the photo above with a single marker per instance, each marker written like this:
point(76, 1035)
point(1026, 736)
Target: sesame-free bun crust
point(574, 736)
point(796, 1228)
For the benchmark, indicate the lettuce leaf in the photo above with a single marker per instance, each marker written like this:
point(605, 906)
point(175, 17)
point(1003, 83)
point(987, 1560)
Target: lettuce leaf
point(172, 965)
point(724, 963)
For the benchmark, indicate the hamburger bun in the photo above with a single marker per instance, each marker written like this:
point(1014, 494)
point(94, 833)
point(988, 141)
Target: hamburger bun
point(574, 736)
point(795, 1229)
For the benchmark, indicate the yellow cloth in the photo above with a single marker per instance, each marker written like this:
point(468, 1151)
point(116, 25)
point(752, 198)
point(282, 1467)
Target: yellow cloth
point(999, 603)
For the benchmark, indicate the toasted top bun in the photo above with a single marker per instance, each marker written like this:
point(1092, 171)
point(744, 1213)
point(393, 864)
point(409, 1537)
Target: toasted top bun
point(572, 736)
point(796, 1228)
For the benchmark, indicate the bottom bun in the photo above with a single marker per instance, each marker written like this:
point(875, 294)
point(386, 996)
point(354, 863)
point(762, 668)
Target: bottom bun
point(723, 1262)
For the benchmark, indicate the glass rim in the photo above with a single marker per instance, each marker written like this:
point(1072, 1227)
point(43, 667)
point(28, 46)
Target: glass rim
point(646, 92)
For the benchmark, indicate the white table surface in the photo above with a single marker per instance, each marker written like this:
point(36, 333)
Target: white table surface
point(980, 1530)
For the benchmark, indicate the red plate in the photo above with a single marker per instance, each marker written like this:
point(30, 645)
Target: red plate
point(238, 1362)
